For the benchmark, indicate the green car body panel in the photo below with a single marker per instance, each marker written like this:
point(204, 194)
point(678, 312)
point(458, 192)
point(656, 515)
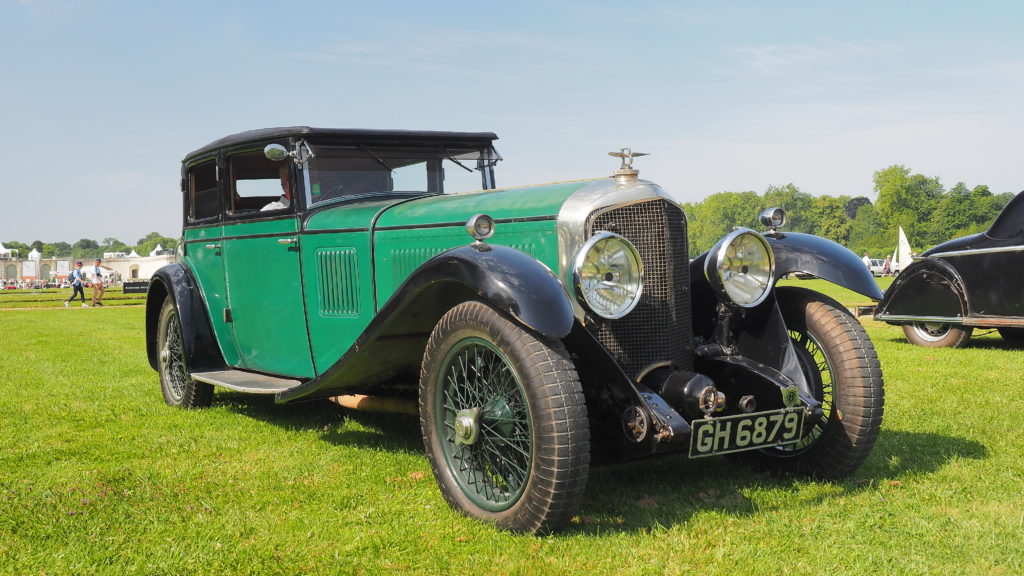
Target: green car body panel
point(348, 260)
point(344, 289)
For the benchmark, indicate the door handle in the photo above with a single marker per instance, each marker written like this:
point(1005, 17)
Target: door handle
point(213, 246)
point(286, 240)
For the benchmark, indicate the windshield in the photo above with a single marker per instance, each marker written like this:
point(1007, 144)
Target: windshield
point(349, 172)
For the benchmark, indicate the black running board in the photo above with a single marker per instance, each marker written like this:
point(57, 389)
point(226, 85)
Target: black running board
point(249, 382)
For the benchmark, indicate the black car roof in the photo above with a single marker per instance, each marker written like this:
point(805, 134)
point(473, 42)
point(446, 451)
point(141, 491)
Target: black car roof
point(345, 135)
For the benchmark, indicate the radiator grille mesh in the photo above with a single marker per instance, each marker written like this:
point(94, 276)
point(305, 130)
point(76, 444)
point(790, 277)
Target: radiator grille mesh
point(658, 329)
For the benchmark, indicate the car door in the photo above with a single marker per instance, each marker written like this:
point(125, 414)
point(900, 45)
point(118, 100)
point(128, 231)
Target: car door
point(203, 250)
point(266, 308)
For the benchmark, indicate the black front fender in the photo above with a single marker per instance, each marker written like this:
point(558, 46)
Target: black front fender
point(795, 252)
point(513, 283)
point(173, 281)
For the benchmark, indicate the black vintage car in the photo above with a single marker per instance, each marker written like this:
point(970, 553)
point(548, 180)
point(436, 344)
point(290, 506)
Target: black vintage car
point(966, 283)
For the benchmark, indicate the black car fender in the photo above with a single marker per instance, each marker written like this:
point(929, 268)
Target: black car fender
point(928, 289)
point(817, 256)
point(174, 281)
point(514, 283)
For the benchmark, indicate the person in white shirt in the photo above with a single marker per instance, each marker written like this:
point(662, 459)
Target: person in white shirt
point(285, 200)
point(98, 288)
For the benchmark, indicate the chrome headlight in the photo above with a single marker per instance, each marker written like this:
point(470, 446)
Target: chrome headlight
point(773, 218)
point(741, 268)
point(608, 275)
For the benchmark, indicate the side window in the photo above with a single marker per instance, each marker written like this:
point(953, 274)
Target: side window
point(203, 200)
point(259, 184)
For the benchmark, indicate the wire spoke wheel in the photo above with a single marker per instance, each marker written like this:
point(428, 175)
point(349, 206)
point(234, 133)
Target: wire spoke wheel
point(504, 421)
point(179, 389)
point(485, 425)
point(816, 366)
point(172, 357)
point(842, 370)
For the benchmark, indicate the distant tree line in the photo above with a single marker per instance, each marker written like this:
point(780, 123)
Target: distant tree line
point(86, 249)
point(928, 213)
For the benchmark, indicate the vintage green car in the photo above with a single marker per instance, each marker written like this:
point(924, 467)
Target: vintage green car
point(536, 331)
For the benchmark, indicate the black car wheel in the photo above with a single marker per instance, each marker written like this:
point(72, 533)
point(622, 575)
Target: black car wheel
point(176, 382)
point(841, 364)
point(937, 335)
point(504, 421)
point(1013, 336)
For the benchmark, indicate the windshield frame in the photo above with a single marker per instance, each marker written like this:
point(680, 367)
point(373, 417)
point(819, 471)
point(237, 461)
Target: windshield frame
point(369, 170)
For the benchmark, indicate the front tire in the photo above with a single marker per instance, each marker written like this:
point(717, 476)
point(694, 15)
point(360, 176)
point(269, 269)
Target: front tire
point(176, 383)
point(936, 335)
point(504, 421)
point(840, 362)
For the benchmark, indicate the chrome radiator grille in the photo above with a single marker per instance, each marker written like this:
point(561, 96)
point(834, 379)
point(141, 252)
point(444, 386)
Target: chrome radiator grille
point(658, 329)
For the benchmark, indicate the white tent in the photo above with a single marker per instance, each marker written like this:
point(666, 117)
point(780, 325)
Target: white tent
point(34, 255)
point(901, 255)
point(133, 254)
point(5, 253)
point(156, 251)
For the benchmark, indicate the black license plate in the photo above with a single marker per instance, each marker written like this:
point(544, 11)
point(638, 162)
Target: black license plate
point(727, 434)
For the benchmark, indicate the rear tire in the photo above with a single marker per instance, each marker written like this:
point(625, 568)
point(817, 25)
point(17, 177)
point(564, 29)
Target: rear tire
point(504, 421)
point(1014, 336)
point(176, 383)
point(936, 335)
point(840, 362)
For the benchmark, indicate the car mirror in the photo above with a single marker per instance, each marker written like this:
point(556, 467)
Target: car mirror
point(276, 152)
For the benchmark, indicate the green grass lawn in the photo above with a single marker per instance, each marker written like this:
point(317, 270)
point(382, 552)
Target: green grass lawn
point(98, 476)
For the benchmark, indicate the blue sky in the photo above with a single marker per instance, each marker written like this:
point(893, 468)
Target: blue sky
point(102, 99)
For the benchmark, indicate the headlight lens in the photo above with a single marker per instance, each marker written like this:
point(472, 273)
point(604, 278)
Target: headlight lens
point(741, 268)
point(608, 275)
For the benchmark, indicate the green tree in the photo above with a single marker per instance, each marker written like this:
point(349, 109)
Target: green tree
point(906, 199)
point(149, 242)
point(85, 249)
point(953, 215)
point(717, 214)
point(57, 250)
point(114, 245)
point(23, 249)
point(867, 233)
point(797, 205)
point(854, 204)
point(829, 216)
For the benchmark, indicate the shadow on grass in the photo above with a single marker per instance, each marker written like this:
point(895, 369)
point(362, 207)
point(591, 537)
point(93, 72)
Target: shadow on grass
point(645, 495)
point(641, 495)
point(978, 341)
point(337, 425)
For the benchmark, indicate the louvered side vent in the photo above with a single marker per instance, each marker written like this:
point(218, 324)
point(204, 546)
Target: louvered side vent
point(338, 275)
point(405, 260)
point(659, 328)
point(530, 249)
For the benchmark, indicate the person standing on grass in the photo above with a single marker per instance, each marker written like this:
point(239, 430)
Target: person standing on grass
point(97, 283)
point(77, 282)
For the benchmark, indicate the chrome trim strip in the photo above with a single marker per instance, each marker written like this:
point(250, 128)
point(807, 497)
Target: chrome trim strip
point(597, 196)
point(973, 321)
point(953, 253)
point(935, 319)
